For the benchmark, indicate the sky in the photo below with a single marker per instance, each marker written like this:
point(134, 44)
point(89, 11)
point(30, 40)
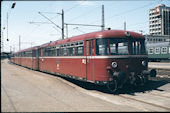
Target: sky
point(134, 12)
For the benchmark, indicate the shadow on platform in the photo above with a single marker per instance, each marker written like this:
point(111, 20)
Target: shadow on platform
point(149, 86)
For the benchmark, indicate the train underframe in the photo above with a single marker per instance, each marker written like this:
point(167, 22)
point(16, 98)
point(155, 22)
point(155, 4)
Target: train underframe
point(120, 79)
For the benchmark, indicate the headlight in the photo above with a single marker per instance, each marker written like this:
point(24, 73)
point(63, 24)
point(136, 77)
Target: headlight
point(114, 64)
point(144, 63)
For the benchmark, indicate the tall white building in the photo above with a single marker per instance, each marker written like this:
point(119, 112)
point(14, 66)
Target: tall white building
point(159, 20)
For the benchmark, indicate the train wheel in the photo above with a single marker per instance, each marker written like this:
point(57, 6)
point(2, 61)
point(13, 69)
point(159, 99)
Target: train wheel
point(112, 86)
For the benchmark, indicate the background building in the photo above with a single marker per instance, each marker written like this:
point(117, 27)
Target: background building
point(159, 20)
point(157, 38)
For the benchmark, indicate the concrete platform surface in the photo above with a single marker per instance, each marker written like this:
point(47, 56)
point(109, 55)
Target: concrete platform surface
point(24, 90)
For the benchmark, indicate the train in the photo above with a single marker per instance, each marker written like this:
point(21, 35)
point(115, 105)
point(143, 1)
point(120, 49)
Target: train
point(113, 58)
point(158, 51)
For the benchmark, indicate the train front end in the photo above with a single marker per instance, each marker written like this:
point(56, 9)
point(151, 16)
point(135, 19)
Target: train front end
point(127, 60)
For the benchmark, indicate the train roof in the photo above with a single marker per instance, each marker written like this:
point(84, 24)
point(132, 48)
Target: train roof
point(98, 34)
point(28, 49)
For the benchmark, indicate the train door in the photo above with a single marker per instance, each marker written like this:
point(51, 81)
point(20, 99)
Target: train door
point(19, 59)
point(32, 58)
point(37, 58)
point(89, 60)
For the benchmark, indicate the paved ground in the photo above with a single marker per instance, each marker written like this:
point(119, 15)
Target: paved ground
point(25, 90)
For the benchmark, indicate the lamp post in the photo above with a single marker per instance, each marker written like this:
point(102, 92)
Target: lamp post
point(2, 39)
point(12, 7)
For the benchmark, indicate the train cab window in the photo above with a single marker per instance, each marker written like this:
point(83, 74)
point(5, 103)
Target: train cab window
point(102, 47)
point(113, 49)
point(122, 48)
point(102, 50)
point(116, 46)
point(138, 47)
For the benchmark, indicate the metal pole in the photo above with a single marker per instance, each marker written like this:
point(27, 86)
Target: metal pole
point(103, 25)
point(124, 25)
point(7, 26)
point(2, 42)
point(67, 30)
point(62, 16)
point(19, 43)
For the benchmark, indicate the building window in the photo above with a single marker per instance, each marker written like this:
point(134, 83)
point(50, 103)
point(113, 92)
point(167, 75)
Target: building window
point(164, 50)
point(150, 51)
point(157, 50)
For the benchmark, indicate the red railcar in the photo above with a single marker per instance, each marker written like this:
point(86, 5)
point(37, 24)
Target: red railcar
point(110, 57)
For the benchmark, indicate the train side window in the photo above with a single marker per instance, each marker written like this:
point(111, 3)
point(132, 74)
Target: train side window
point(29, 54)
point(169, 49)
point(64, 51)
point(157, 50)
point(61, 50)
point(87, 47)
point(70, 49)
point(92, 47)
point(51, 51)
point(34, 53)
point(150, 50)
point(164, 50)
point(57, 51)
point(79, 49)
point(43, 52)
point(74, 51)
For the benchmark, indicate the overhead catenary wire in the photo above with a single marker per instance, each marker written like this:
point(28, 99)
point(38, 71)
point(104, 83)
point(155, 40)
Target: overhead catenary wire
point(69, 9)
point(131, 10)
point(126, 12)
point(82, 15)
